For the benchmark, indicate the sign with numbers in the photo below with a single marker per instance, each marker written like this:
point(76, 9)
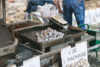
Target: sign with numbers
point(75, 56)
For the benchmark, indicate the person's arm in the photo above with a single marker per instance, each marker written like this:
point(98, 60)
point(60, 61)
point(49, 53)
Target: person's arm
point(57, 3)
point(11, 1)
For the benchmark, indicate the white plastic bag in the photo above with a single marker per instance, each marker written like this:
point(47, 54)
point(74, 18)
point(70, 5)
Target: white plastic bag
point(48, 10)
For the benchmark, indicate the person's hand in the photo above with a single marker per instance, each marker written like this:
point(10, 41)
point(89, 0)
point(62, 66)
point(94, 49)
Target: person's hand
point(60, 10)
point(11, 1)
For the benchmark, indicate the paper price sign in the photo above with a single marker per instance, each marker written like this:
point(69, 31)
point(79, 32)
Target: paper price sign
point(75, 56)
point(32, 62)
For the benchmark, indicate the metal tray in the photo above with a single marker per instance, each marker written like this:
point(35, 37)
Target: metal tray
point(26, 34)
point(22, 24)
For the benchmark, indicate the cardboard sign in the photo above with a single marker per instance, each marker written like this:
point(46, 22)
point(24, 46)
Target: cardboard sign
point(76, 56)
point(33, 62)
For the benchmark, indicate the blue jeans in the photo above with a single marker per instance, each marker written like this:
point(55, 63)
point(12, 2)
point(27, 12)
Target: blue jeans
point(77, 7)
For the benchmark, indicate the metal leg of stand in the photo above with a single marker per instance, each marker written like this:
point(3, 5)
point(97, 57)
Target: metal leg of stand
point(96, 54)
point(4, 11)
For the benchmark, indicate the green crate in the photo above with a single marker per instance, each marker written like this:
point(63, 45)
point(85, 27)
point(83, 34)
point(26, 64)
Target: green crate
point(94, 31)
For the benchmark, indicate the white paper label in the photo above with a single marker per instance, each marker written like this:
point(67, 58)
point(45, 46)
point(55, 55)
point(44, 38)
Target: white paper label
point(76, 56)
point(33, 62)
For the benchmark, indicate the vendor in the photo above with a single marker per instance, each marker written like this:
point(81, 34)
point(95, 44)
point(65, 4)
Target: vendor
point(72, 6)
point(33, 4)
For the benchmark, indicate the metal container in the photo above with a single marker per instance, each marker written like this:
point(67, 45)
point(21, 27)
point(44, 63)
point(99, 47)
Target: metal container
point(7, 41)
point(27, 35)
